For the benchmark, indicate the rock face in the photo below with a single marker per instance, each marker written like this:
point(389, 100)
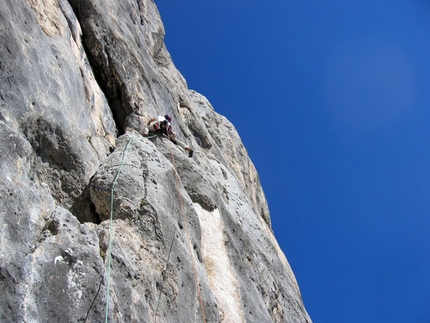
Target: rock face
point(97, 222)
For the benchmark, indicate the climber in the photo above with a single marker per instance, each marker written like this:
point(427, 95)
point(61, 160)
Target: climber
point(162, 126)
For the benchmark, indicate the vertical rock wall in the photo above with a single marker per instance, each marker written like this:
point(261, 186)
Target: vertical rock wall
point(187, 239)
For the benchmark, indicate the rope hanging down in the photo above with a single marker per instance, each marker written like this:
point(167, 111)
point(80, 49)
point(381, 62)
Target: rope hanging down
point(164, 270)
point(111, 226)
point(184, 219)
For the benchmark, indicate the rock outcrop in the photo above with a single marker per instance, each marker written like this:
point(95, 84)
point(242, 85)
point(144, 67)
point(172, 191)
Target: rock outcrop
point(97, 221)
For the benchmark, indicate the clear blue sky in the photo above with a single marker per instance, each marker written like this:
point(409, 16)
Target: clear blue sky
point(332, 101)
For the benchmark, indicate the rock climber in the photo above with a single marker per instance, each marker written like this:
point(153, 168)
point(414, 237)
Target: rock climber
point(162, 126)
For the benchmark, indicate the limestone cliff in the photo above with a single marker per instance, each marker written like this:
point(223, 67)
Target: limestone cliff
point(97, 222)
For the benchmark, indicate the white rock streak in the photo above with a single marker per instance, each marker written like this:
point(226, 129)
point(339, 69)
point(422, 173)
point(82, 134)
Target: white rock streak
point(221, 275)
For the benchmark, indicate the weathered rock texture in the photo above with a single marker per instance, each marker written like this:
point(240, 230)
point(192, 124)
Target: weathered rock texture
point(87, 202)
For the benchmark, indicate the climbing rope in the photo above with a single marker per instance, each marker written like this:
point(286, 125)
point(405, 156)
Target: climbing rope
point(151, 137)
point(184, 219)
point(92, 303)
point(111, 226)
point(165, 268)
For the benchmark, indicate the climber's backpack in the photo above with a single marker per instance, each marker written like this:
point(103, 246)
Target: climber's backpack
point(151, 120)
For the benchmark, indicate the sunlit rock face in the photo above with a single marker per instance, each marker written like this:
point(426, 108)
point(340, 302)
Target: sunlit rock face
point(99, 221)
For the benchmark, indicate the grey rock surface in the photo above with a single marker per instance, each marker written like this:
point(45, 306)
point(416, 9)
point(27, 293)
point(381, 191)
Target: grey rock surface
point(98, 221)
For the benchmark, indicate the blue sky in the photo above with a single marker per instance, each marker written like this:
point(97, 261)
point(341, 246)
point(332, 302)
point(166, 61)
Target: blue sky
point(332, 101)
